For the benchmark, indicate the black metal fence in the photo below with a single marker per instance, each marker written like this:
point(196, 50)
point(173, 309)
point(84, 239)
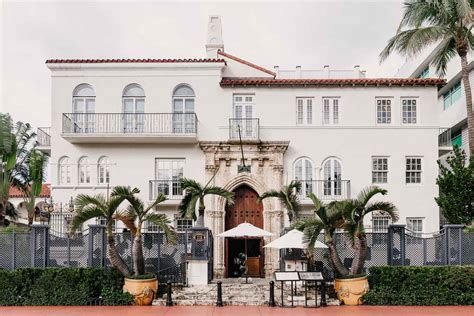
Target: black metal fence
point(41, 248)
point(398, 246)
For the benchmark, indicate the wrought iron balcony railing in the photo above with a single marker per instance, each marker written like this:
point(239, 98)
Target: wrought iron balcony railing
point(244, 128)
point(130, 123)
point(43, 136)
point(326, 189)
point(171, 188)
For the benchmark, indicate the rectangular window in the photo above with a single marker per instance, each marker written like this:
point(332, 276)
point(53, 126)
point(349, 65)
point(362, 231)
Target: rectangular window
point(415, 226)
point(65, 174)
point(384, 111)
point(379, 169)
point(168, 176)
point(330, 111)
point(413, 170)
point(182, 224)
point(452, 96)
point(380, 223)
point(409, 113)
point(304, 111)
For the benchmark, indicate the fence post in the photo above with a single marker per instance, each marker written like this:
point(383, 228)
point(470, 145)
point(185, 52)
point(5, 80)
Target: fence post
point(97, 232)
point(40, 237)
point(394, 258)
point(271, 301)
point(219, 302)
point(453, 243)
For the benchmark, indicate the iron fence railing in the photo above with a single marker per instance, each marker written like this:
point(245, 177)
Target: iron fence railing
point(444, 137)
point(130, 123)
point(43, 136)
point(245, 128)
point(325, 189)
point(171, 188)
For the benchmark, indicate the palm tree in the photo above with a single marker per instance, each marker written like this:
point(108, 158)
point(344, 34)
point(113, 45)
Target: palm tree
point(34, 182)
point(16, 141)
point(448, 22)
point(134, 217)
point(288, 196)
point(99, 206)
point(348, 215)
point(194, 198)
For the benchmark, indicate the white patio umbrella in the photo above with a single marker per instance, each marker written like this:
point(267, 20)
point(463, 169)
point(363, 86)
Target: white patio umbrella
point(245, 230)
point(293, 239)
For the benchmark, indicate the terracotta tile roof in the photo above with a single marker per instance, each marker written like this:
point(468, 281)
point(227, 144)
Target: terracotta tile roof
point(110, 61)
point(242, 61)
point(226, 82)
point(45, 192)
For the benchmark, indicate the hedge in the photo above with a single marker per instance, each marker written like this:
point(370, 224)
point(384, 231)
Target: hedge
point(62, 286)
point(435, 285)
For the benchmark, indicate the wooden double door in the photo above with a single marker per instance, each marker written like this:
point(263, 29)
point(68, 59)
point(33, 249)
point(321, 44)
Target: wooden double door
point(246, 209)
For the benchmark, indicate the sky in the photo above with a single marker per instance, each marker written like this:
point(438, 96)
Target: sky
point(306, 33)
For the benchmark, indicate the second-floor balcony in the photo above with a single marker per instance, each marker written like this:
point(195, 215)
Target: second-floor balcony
point(245, 129)
point(129, 127)
point(170, 188)
point(43, 137)
point(444, 141)
point(325, 190)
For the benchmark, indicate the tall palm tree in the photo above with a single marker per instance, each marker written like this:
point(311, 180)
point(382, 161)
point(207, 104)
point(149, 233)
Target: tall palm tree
point(16, 141)
point(288, 196)
point(348, 215)
point(34, 181)
point(135, 215)
point(99, 206)
point(448, 22)
point(194, 198)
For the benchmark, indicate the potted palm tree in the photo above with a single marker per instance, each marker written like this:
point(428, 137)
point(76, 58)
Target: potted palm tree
point(288, 196)
point(141, 285)
point(351, 283)
point(194, 198)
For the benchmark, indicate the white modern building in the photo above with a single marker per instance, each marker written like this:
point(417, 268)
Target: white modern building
point(149, 122)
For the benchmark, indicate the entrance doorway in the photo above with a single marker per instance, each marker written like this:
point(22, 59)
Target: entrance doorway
point(246, 209)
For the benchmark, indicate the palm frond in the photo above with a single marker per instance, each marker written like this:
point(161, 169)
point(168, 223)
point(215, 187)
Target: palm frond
point(86, 213)
point(85, 200)
point(267, 194)
point(164, 223)
point(190, 184)
point(128, 218)
point(159, 199)
point(445, 53)
point(228, 196)
point(317, 204)
point(369, 192)
point(187, 206)
point(384, 207)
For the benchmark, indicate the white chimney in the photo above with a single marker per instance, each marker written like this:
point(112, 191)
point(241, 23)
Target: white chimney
point(357, 71)
point(327, 71)
point(276, 69)
point(215, 41)
point(298, 72)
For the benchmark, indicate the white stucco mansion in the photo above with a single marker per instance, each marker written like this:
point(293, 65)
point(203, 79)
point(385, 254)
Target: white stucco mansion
point(149, 122)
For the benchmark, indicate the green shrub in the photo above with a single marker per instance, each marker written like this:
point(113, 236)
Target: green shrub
point(436, 285)
point(62, 286)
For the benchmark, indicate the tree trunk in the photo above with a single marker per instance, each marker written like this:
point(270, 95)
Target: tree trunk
point(115, 258)
point(468, 93)
point(3, 211)
point(137, 253)
point(334, 256)
point(360, 253)
point(30, 218)
point(200, 219)
point(310, 255)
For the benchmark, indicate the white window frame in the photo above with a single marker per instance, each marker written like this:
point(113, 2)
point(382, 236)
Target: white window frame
point(179, 227)
point(421, 171)
point(333, 115)
point(64, 171)
point(387, 171)
point(83, 168)
point(380, 217)
point(103, 170)
point(184, 121)
point(171, 183)
point(388, 119)
point(306, 184)
point(304, 110)
point(402, 110)
point(83, 118)
point(410, 226)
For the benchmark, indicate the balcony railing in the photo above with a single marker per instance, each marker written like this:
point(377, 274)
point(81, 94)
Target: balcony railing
point(171, 188)
point(444, 138)
point(43, 136)
point(130, 123)
point(244, 128)
point(326, 189)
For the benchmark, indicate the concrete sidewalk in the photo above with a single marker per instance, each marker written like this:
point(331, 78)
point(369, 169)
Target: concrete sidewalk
point(236, 310)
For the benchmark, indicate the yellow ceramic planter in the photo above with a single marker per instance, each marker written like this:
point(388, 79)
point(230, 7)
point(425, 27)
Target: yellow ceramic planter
point(350, 291)
point(143, 290)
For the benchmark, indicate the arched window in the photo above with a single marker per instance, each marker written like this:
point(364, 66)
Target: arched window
point(83, 107)
point(133, 99)
point(183, 110)
point(84, 171)
point(304, 174)
point(64, 171)
point(332, 177)
point(103, 171)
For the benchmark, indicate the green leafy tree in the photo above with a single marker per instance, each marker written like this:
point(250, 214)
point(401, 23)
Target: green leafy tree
point(36, 163)
point(135, 216)
point(447, 22)
point(456, 188)
point(288, 197)
point(194, 198)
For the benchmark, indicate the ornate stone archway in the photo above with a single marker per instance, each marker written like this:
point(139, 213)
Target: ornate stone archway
point(266, 172)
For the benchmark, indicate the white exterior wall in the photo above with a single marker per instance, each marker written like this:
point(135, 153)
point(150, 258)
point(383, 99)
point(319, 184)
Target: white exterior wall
point(353, 141)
